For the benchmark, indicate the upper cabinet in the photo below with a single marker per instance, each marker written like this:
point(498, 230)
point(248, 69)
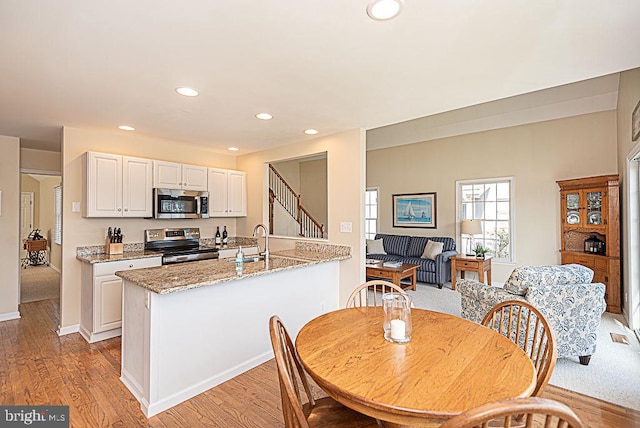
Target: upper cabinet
point(227, 193)
point(171, 175)
point(117, 186)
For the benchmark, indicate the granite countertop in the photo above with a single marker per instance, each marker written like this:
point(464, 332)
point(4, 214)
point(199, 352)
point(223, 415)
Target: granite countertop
point(184, 276)
point(96, 253)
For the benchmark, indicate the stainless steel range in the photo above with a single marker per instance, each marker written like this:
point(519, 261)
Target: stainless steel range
point(178, 245)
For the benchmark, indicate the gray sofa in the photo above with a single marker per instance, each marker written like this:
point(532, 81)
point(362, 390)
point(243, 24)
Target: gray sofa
point(408, 249)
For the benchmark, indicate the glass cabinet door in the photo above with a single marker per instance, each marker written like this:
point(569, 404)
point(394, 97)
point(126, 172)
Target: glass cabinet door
point(573, 207)
point(594, 208)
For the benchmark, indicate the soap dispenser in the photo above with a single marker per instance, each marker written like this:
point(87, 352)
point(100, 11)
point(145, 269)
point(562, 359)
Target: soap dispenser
point(239, 261)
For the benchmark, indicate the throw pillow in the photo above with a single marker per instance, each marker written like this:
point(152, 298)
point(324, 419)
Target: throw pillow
point(374, 246)
point(432, 249)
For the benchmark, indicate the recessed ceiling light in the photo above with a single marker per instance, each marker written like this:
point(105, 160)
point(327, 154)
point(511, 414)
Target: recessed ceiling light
point(381, 10)
point(187, 92)
point(233, 149)
point(311, 131)
point(264, 116)
point(126, 128)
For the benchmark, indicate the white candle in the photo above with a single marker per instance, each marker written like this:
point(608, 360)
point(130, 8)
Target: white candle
point(397, 329)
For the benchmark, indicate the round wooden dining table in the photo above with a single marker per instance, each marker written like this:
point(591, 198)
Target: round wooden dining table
point(449, 366)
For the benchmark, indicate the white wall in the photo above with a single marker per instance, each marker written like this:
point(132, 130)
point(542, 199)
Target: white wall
point(9, 227)
point(345, 181)
point(535, 154)
point(78, 231)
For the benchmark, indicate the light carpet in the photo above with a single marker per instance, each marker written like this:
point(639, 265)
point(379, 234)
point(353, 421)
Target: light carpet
point(39, 283)
point(613, 375)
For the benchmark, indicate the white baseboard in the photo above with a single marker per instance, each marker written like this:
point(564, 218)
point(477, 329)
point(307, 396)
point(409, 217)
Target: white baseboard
point(151, 409)
point(62, 331)
point(56, 268)
point(9, 316)
point(96, 337)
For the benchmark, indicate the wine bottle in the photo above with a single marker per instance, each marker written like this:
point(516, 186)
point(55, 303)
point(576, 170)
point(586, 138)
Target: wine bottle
point(225, 237)
point(217, 235)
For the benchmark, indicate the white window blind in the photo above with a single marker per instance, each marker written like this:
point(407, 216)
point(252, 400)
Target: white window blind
point(58, 201)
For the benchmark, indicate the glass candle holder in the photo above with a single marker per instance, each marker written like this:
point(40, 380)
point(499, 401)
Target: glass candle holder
point(397, 317)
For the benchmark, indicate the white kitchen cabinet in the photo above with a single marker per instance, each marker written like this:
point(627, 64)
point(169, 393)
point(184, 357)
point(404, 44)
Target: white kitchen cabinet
point(101, 297)
point(227, 193)
point(171, 175)
point(117, 186)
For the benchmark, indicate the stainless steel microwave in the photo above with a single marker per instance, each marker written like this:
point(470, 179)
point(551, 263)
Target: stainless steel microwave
point(176, 203)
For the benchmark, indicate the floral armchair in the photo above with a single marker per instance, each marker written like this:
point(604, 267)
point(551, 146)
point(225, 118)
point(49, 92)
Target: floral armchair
point(564, 294)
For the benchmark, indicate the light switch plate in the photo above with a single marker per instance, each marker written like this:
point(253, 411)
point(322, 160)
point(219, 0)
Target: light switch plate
point(346, 226)
point(75, 207)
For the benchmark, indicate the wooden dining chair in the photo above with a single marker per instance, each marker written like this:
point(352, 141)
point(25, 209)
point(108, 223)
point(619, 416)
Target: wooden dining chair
point(527, 327)
point(517, 412)
point(323, 412)
point(370, 293)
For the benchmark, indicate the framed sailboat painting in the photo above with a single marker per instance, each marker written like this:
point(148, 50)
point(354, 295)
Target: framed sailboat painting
point(414, 210)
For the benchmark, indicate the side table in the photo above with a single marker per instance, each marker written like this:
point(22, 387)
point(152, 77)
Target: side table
point(471, 264)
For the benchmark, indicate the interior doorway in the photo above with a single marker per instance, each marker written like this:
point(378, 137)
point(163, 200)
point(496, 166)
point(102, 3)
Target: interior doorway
point(41, 259)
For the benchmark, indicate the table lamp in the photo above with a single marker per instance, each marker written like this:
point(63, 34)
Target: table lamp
point(470, 228)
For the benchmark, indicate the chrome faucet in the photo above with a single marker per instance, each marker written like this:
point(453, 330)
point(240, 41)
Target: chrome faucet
point(264, 253)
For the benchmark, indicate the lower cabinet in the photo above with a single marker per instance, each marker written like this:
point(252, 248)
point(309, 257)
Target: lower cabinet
point(605, 270)
point(101, 297)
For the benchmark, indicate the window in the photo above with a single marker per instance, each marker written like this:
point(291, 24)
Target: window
point(371, 213)
point(491, 202)
point(58, 201)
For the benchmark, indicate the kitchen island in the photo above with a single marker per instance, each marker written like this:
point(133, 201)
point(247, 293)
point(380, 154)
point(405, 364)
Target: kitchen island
point(191, 326)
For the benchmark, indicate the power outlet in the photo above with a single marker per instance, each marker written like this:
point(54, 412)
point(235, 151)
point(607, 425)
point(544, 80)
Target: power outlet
point(346, 226)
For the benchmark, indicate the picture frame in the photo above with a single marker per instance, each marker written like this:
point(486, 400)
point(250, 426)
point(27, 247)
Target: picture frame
point(418, 210)
point(635, 122)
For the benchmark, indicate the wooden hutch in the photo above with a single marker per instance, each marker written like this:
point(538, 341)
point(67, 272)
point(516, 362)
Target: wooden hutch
point(590, 211)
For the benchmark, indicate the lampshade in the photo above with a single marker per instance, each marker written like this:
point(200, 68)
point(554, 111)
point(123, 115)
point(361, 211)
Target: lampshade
point(471, 227)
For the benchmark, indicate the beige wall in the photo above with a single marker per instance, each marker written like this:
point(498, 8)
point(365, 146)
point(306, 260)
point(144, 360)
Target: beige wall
point(40, 161)
point(536, 155)
point(628, 98)
point(313, 188)
point(9, 226)
point(78, 231)
point(345, 180)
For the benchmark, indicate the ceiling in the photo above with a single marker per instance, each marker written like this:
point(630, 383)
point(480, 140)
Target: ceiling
point(319, 64)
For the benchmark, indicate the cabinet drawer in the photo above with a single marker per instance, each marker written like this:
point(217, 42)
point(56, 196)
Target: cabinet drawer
point(377, 272)
point(585, 260)
point(602, 264)
point(109, 268)
point(467, 265)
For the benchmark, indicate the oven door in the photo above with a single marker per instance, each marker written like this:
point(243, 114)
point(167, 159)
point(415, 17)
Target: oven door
point(175, 203)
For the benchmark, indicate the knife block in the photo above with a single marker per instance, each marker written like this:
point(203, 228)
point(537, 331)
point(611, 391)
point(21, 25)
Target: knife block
point(114, 247)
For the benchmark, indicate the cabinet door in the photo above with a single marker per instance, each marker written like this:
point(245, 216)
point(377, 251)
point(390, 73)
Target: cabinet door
point(167, 175)
point(594, 207)
point(217, 192)
point(137, 187)
point(237, 193)
point(194, 177)
point(108, 303)
point(571, 207)
point(103, 181)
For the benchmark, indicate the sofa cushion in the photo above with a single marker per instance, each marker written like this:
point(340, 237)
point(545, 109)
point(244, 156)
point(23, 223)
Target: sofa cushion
point(525, 276)
point(432, 249)
point(423, 264)
point(416, 246)
point(449, 243)
point(395, 244)
point(375, 246)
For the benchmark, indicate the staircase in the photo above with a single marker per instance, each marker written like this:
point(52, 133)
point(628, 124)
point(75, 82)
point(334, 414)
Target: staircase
point(283, 194)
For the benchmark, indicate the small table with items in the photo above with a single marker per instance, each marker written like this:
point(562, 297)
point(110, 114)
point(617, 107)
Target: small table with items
point(36, 252)
point(376, 269)
point(472, 264)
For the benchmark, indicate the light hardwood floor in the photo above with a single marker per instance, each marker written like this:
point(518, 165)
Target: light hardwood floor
point(38, 367)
